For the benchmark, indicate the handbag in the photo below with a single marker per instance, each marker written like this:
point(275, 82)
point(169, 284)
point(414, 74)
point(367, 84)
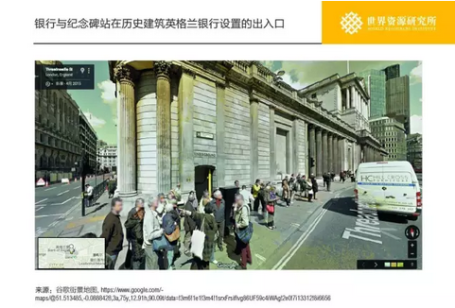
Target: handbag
point(270, 208)
point(174, 235)
point(161, 243)
point(197, 241)
point(246, 233)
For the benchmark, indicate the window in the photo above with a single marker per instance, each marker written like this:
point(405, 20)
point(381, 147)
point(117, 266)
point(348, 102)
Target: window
point(313, 95)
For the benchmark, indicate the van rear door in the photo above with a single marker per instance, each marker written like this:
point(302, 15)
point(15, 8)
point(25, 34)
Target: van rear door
point(400, 189)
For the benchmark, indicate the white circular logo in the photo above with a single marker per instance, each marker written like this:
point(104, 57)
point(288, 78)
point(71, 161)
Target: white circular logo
point(351, 23)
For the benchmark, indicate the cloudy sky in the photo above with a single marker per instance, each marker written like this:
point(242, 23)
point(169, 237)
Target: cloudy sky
point(99, 105)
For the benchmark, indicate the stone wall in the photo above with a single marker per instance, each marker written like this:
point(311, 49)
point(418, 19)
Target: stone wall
point(146, 134)
point(264, 142)
point(301, 138)
point(204, 120)
point(237, 136)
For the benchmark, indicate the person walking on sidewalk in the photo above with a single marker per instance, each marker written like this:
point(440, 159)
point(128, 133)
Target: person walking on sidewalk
point(88, 195)
point(152, 231)
point(255, 192)
point(286, 193)
point(171, 223)
point(113, 233)
point(327, 180)
point(309, 188)
point(204, 200)
point(207, 224)
point(314, 186)
point(247, 196)
point(111, 187)
point(271, 199)
point(135, 236)
point(242, 225)
point(189, 224)
point(218, 209)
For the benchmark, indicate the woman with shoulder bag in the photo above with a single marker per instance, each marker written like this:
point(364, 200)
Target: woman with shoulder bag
point(271, 199)
point(244, 230)
point(152, 232)
point(171, 222)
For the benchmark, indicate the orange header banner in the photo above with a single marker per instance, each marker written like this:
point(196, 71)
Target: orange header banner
point(388, 22)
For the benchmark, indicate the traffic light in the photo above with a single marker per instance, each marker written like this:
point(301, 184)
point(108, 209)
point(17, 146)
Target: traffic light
point(311, 162)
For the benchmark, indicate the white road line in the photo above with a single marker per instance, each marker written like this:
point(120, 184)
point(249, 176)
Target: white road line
point(50, 188)
point(41, 201)
point(63, 201)
point(391, 235)
point(63, 193)
point(40, 208)
point(53, 224)
point(295, 225)
point(76, 188)
point(49, 215)
point(263, 259)
point(285, 259)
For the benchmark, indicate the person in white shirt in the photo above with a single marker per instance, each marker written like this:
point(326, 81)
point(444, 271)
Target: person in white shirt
point(247, 196)
point(88, 194)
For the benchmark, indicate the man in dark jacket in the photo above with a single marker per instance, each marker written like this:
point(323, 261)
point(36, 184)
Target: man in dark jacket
point(134, 234)
point(218, 208)
point(327, 180)
point(111, 186)
point(113, 233)
point(189, 224)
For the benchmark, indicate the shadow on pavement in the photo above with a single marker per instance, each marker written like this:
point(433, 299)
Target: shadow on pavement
point(99, 207)
point(347, 206)
point(344, 205)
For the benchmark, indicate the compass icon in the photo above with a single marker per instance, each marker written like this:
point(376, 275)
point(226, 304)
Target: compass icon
point(412, 232)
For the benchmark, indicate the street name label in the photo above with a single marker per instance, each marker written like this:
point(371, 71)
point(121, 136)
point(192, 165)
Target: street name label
point(71, 253)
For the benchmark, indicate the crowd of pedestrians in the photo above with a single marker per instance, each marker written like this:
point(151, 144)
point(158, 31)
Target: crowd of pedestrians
point(158, 231)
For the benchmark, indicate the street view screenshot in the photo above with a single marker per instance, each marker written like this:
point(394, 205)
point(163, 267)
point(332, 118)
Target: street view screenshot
point(228, 165)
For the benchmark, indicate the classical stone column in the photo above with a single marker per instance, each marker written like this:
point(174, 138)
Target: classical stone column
point(342, 154)
point(335, 158)
point(352, 96)
point(126, 130)
point(312, 148)
point(325, 151)
point(220, 134)
point(186, 140)
point(329, 153)
point(348, 98)
point(319, 159)
point(163, 127)
point(272, 143)
point(254, 139)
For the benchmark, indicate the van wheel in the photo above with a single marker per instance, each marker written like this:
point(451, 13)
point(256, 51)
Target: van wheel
point(413, 218)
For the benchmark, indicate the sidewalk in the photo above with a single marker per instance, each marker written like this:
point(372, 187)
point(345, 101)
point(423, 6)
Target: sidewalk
point(267, 243)
point(264, 244)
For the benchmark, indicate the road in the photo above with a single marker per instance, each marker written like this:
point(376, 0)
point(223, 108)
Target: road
point(338, 238)
point(55, 202)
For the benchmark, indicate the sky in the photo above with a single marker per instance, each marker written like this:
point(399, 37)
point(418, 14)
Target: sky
point(99, 105)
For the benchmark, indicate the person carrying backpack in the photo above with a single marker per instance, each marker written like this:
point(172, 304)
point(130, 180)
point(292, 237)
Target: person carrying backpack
point(171, 223)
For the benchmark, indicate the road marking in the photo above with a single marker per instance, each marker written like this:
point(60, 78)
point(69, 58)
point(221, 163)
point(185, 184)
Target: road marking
point(48, 215)
point(365, 224)
point(391, 235)
point(63, 193)
point(291, 252)
point(285, 259)
point(50, 188)
point(40, 208)
point(76, 188)
point(63, 201)
point(263, 259)
point(295, 225)
point(41, 201)
point(69, 218)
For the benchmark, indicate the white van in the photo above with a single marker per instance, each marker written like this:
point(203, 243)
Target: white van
point(389, 186)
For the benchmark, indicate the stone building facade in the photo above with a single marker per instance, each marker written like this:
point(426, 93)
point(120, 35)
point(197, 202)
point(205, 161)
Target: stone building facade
point(181, 121)
point(107, 157)
point(57, 145)
point(414, 149)
point(88, 140)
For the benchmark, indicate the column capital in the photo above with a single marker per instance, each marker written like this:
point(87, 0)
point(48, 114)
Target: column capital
point(125, 73)
point(162, 69)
